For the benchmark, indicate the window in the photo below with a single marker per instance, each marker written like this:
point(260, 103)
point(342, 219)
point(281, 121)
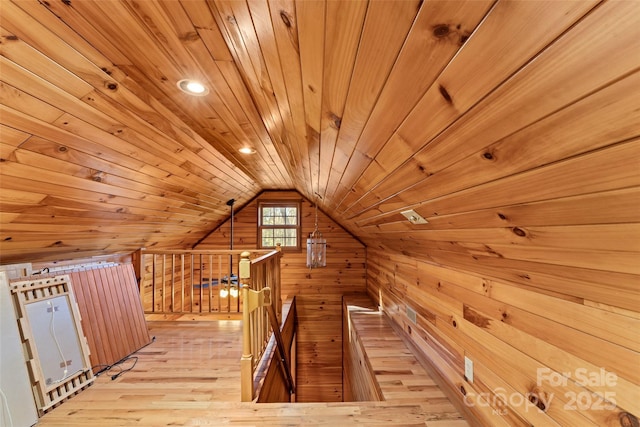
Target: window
point(279, 222)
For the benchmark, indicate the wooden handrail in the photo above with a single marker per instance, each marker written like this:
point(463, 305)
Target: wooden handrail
point(265, 252)
point(262, 308)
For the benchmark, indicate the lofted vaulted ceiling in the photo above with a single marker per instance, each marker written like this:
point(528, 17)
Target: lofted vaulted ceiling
point(468, 111)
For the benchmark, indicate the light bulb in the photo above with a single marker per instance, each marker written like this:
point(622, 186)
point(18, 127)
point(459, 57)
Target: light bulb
point(195, 87)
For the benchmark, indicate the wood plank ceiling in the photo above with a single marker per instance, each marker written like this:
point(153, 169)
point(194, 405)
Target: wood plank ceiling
point(458, 109)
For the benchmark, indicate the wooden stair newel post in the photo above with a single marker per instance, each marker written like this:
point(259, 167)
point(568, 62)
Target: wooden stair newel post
point(246, 363)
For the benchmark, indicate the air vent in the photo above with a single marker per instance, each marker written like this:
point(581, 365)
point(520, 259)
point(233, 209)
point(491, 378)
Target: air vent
point(414, 217)
point(411, 314)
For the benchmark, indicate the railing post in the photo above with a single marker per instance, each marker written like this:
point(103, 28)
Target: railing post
point(246, 363)
point(139, 268)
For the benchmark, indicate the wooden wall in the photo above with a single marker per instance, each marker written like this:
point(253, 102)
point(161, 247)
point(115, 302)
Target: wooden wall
point(318, 292)
point(512, 126)
point(572, 344)
point(111, 310)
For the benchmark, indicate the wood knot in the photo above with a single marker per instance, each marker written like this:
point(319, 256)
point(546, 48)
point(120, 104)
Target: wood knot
point(519, 231)
point(62, 149)
point(488, 156)
point(6, 239)
point(337, 121)
point(441, 31)
point(285, 18)
point(12, 37)
point(539, 398)
point(106, 70)
point(628, 420)
point(67, 2)
point(190, 36)
point(112, 86)
point(454, 323)
point(501, 216)
point(445, 94)
point(463, 391)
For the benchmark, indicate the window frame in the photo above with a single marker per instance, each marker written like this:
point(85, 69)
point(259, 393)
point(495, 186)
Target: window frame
point(297, 227)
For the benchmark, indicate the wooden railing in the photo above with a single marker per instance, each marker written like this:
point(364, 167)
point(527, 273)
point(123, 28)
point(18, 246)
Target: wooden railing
point(224, 282)
point(272, 385)
point(191, 281)
point(262, 315)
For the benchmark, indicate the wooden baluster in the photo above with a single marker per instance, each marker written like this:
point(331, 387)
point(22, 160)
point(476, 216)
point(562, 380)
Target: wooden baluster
point(164, 275)
point(182, 283)
point(173, 282)
point(201, 266)
point(153, 285)
point(210, 277)
point(219, 283)
point(191, 283)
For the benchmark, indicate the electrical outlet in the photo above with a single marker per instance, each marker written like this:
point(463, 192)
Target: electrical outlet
point(468, 369)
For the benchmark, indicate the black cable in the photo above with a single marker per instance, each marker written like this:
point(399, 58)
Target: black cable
point(105, 368)
point(118, 364)
point(122, 370)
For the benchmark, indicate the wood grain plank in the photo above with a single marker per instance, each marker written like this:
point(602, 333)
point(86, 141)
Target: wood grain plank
point(67, 25)
point(289, 150)
point(551, 139)
point(580, 175)
point(285, 28)
point(386, 24)
point(572, 79)
point(507, 33)
point(310, 16)
point(438, 33)
point(343, 29)
point(204, 22)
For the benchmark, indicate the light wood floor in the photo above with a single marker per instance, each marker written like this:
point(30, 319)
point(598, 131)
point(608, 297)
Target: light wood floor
point(190, 377)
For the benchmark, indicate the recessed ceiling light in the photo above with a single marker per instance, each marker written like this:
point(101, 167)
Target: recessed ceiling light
point(193, 87)
point(247, 150)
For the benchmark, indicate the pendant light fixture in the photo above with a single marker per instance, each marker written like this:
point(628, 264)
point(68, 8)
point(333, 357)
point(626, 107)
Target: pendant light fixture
point(316, 247)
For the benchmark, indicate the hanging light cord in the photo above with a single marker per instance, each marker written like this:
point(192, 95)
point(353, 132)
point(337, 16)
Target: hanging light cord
point(315, 229)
